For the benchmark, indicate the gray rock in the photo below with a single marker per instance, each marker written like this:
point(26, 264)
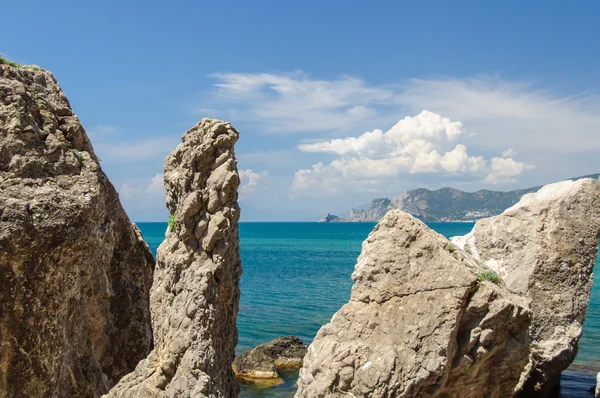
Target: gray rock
point(419, 323)
point(261, 364)
point(75, 274)
point(597, 388)
point(331, 218)
point(544, 248)
point(195, 295)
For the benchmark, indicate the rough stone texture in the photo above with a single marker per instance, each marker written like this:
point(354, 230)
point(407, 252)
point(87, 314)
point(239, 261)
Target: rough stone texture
point(195, 295)
point(75, 274)
point(544, 248)
point(418, 323)
point(262, 362)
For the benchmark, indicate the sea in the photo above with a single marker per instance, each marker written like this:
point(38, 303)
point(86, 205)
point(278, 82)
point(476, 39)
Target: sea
point(297, 275)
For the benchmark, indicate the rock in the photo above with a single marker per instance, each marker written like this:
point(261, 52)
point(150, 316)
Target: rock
point(195, 296)
point(260, 364)
point(75, 274)
point(419, 323)
point(330, 218)
point(544, 248)
point(597, 389)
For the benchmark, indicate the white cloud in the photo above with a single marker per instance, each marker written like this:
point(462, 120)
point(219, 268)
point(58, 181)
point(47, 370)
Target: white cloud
point(249, 181)
point(423, 144)
point(293, 102)
point(157, 186)
point(514, 114)
point(503, 113)
point(126, 191)
point(101, 130)
point(505, 170)
point(509, 153)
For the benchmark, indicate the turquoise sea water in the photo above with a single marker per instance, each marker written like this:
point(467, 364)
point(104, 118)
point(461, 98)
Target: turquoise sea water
point(297, 275)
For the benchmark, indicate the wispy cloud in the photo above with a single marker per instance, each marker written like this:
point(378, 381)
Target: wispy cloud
point(499, 112)
point(293, 102)
point(156, 148)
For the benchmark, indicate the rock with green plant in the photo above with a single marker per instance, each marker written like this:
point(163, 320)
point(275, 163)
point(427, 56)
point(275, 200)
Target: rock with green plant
point(195, 295)
point(496, 313)
point(544, 248)
point(75, 273)
point(418, 323)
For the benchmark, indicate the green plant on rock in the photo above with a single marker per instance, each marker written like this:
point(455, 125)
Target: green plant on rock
point(7, 62)
point(489, 276)
point(77, 154)
point(171, 222)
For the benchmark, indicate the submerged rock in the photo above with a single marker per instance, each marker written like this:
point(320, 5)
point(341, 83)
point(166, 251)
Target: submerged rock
point(544, 248)
point(195, 295)
point(260, 365)
point(419, 323)
point(423, 319)
point(75, 274)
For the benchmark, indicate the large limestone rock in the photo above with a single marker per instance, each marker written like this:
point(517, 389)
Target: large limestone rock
point(544, 248)
point(75, 274)
point(419, 323)
point(195, 295)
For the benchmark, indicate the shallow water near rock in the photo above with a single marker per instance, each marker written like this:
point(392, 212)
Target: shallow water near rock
point(297, 275)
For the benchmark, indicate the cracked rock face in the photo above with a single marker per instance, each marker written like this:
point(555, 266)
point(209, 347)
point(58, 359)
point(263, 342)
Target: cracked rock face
point(545, 249)
point(419, 323)
point(75, 274)
point(195, 295)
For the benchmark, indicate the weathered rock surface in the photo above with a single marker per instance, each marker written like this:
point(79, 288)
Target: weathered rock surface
point(195, 295)
point(261, 363)
point(75, 274)
point(419, 323)
point(544, 248)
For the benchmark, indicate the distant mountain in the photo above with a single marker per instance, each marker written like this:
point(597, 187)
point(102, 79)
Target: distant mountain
point(444, 204)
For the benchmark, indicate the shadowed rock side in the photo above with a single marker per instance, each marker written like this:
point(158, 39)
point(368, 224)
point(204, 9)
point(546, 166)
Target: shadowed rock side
point(75, 274)
point(419, 323)
point(195, 295)
point(260, 364)
point(545, 249)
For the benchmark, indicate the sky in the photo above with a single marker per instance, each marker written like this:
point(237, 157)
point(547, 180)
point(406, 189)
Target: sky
point(336, 102)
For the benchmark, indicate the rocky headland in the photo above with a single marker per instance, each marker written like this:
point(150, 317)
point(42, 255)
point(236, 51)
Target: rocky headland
point(261, 364)
point(444, 204)
point(500, 318)
point(75, 273)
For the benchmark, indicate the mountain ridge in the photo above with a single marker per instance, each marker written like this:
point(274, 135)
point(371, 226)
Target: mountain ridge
point(445, 204)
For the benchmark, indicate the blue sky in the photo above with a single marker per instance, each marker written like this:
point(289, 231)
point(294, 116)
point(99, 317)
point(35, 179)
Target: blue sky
point(317, 91)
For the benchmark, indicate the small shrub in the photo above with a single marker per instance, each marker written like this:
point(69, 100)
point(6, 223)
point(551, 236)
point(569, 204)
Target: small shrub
point(489, 276)
point(171, 222)
point(7, 62)
point(77, 154)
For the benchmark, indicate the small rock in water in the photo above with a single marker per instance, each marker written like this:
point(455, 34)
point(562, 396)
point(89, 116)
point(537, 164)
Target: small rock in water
point(260, 365)
point(597, 389)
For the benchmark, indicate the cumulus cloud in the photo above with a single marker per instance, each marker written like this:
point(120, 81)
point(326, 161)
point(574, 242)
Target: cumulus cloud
point(504, 170)
point(249, 181)
point(423, 144)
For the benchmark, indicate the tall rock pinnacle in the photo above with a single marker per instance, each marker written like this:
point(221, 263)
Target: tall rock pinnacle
point(195, 295)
